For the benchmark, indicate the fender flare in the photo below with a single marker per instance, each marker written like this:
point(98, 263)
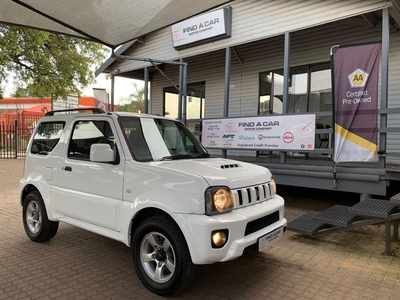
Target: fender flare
point(36, 181)
point(169, 205)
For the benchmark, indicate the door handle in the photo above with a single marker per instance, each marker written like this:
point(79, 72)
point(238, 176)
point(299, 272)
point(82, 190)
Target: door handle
point(68, 168)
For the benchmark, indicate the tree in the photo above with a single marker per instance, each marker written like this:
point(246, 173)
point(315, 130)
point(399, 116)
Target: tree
point(135, 101)
point(47, 64)
point(23, 92)
point(138, 94)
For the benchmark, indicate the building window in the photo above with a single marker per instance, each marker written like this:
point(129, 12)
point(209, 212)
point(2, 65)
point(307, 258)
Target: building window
point(298, 86)
point(194, 101)
point(310, 90)
point(271, 93)
point(320, 98)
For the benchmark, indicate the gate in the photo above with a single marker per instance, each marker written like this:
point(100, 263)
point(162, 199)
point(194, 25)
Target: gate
point(15, 131)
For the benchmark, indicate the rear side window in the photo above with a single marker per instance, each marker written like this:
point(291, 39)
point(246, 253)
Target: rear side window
point(46, 137)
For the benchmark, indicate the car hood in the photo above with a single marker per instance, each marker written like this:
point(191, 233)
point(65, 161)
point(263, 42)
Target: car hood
point(219, 171)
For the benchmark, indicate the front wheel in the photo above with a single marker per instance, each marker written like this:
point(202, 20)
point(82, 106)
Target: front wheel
point(161, 256)
point(34, 216)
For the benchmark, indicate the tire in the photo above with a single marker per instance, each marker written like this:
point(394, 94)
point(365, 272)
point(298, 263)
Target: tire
point(161, 256)
point(34, 216)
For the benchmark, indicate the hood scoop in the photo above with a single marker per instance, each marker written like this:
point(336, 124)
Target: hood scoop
point(230, 166)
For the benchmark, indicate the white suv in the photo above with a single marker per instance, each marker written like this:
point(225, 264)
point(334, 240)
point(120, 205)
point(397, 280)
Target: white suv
point(148, 182)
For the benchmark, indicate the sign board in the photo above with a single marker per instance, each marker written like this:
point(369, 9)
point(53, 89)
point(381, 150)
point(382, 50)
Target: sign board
point(101, 98)
point(278, 132)
point(69, 103)
point(356, 78)
point(204, 28)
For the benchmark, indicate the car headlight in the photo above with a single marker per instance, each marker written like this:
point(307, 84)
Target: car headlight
point(273, 183)
point(218, 200)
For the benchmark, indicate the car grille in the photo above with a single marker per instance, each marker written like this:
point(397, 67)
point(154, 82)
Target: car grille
point(261, 223)
point(252, 195)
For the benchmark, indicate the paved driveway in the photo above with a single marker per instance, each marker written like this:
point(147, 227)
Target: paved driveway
point(80, 265)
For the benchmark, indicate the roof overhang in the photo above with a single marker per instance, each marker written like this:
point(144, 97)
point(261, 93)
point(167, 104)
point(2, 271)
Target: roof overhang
point(395, 11)
point(109, 22)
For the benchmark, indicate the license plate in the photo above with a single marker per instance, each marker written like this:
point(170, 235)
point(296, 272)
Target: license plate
point(270, 238)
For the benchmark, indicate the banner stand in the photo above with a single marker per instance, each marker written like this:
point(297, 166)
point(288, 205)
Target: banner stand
point(335, 181)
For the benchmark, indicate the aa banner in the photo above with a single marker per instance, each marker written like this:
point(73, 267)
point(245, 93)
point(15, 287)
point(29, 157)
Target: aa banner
point(355, 73)
point(101, 98)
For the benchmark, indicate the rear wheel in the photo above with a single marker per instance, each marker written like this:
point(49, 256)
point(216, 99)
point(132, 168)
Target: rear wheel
point(161, 256)
point(36, 223)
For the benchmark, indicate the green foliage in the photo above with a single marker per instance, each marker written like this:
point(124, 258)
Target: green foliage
point(134, 102)
point(7, 148)
point(132, 106)
point(21, 92)
point(47, 64)
point(138, 94)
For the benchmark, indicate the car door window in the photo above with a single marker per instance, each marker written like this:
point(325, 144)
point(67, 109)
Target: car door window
point(85, 134)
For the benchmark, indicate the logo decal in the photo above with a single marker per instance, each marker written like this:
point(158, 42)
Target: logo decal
point(288, 137)
point(228, 136)
point(358, 78)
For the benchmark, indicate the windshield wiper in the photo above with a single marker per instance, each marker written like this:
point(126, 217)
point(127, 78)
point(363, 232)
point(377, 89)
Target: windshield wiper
point(203, 155)
point(176, 156)
point(183, 156)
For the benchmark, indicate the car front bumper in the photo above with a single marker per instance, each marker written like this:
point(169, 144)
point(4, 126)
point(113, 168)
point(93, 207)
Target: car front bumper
point(245, 225)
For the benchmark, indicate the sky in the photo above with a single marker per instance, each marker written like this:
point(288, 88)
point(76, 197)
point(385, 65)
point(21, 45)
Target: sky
point(123, 87)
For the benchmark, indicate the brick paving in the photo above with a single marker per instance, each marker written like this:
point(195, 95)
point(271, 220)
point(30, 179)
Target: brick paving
point(81, 265)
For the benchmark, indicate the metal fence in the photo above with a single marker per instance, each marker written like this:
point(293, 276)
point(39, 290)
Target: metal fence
point(15, 132)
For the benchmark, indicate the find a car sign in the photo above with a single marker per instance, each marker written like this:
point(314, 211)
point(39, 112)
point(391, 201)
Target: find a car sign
point(289, 132)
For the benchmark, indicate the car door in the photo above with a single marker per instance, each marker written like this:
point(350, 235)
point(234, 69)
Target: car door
point(91, 191)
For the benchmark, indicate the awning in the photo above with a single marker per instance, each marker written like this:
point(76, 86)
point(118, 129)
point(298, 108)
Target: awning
point(110, 22)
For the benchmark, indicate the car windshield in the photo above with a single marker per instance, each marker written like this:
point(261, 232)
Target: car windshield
point(160, 139)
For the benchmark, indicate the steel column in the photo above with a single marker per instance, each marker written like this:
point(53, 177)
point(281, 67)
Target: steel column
point(387, 237)
point(146, 90)
point(112, 92)
point(384, 83)
point(180, 94)
point(286, 74)
point(228, 55)
point(184, 92)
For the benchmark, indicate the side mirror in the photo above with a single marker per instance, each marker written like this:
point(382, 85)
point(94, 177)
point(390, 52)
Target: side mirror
point(101, 153)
